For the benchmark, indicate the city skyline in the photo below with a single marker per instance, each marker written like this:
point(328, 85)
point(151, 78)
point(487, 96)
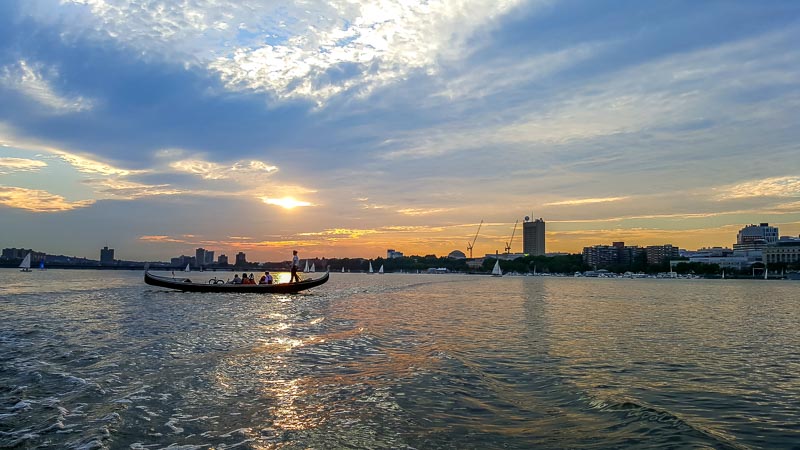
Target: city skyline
point(344, 129)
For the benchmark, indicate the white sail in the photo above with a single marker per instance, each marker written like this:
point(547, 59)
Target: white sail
point(313, 269)
point(342, 269)
point(496, 271)
point(370, 267)
point(306, 268)
point(187, 269)
point(381, 269)
point(26, 263)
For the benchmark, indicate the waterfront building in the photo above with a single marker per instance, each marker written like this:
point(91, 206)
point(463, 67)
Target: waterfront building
point(241, 259)
point(533, 237)
point(183, 260)
point(209, 257)
point(106, 255)
point(14, 254)
point(391, 254)
point(752, 239)
point(611, 255)
point(657, 254)
point(222, 260)
point(200, 256)
point(786, 250)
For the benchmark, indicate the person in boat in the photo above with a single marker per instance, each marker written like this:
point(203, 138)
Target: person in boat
point(270, 280)
point(252, 279)
point(265, 279)
point(236, 279)
point(246, 279)
point(295, 265)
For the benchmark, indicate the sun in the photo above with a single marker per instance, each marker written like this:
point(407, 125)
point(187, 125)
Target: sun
point(285, 202)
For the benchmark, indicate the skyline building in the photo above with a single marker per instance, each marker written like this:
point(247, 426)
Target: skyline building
point(209, 257)
point(241, 259)
point(106, 255)
point(533, 236)
point(222, 260)
point(200, 256)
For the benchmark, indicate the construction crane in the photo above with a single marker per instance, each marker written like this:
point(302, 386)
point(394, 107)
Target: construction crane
point(470, 245)
point(508, 244)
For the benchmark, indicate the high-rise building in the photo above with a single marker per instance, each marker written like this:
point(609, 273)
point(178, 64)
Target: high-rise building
point(222, 260)
point(755, 233)
point(241, 259)
point(533, 237)
point(657, 254)
point(200, 256)
point(106, 255)
point(209, 257)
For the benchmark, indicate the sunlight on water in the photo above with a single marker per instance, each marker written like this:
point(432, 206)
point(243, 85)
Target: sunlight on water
point(98, 359)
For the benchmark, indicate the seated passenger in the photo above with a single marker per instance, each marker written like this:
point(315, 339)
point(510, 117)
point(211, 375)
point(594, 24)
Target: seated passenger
point(263, 279)
point(236, 279)
point(269, 277)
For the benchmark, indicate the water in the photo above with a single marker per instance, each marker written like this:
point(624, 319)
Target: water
point(97, 359)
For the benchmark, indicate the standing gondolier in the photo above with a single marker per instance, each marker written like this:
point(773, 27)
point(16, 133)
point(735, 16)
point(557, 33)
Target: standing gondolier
point(295, 265)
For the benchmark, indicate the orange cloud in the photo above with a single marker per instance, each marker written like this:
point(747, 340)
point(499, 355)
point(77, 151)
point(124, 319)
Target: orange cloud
point(37, 200)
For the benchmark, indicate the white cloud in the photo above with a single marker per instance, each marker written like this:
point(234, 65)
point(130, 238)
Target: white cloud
point(788, 186)
point(8, 165)
point(35, 82)
point(245, 170)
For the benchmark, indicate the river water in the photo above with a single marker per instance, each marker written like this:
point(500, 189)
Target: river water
point(98, 359)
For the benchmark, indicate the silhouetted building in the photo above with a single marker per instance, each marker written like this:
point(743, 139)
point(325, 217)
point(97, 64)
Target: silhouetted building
point(222, 260)
point(183, 260)
point(200, 256)
point(616, 254)
point(533, 237)
point(241, 259)
point(209, 257)
point(106, 255)
point(13, 254)
point(390, 254)
point(457, 254)
point(657, 254)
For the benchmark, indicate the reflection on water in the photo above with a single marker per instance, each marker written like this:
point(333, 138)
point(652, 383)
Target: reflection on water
point(98, 359)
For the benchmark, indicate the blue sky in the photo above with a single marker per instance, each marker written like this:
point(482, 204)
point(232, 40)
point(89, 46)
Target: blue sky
point(345, 128)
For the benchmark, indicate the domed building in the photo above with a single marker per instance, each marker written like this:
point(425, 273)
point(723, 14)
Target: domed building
point(457, 254)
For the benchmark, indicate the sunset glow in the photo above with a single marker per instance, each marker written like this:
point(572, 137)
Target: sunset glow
point(285, 202)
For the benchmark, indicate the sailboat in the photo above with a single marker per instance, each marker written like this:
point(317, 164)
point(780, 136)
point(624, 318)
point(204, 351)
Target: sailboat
point(26, 264)
point(370, 268)
point(305, 270)
point(342, 269)
point(187, 269)
point(766, 272)
point(41, 265)
point(496, 271)
point(313, 269)
point(381, 269)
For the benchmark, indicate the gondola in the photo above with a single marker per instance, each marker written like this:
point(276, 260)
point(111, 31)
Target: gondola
point(184, 283)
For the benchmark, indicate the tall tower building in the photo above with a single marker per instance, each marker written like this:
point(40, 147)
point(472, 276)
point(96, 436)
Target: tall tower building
point(533, 237)
point(200, 256)
point(106, 255)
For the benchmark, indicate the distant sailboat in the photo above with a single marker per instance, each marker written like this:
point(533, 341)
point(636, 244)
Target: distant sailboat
point(381, 269)
point(342, 269)
point(187, 269)
point(26, 264)
point(496, 271)
point(766, 272)
point(41, 265)
point(313, 269)
point(723, 274)
point(370, 268)
point(305, 270)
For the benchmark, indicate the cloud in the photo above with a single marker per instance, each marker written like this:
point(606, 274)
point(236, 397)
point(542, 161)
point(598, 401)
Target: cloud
point(215, 171)
point(36, 200)
point(32, 80)
point(130, 190)
point(8, 165)
point(585, 201)
point(786, 186)
point(286, 202)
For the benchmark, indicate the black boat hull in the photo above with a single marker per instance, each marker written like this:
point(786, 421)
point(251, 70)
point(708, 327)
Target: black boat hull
point(187, 286)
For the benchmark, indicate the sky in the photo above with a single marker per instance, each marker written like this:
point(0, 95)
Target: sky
point(343, 128)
